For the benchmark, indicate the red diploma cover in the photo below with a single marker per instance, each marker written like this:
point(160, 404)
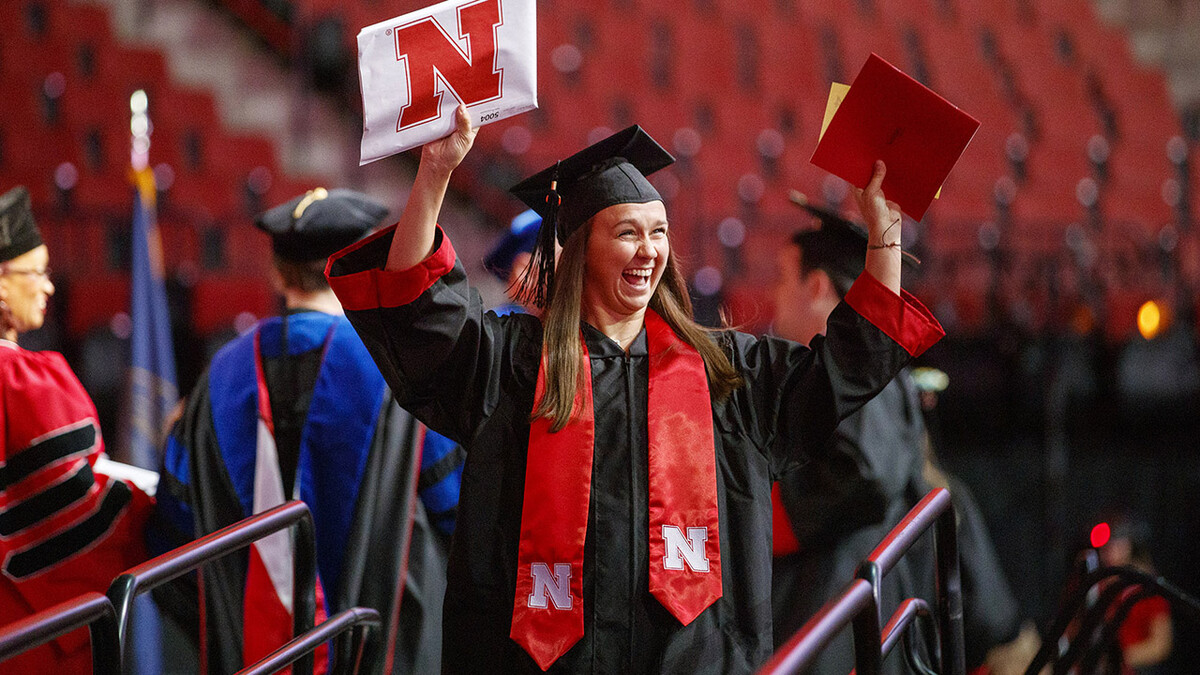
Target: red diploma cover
point(890, 116)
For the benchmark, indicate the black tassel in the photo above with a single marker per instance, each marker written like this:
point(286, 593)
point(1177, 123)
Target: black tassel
point(537, 283)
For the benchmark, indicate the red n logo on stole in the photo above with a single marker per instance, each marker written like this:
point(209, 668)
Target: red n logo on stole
point(430, 55)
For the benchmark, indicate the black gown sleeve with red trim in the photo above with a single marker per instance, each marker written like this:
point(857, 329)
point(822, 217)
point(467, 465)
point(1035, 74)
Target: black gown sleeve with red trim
point(470, 375)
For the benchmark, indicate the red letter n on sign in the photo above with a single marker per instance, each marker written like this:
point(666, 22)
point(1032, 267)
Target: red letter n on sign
point(430, 55)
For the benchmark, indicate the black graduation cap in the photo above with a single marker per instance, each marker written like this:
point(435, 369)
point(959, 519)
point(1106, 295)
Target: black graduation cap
point(839, 245)
point(18, 232)
point(567, 194)
point(320, 223)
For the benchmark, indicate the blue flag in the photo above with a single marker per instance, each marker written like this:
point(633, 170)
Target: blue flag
point(153, 390)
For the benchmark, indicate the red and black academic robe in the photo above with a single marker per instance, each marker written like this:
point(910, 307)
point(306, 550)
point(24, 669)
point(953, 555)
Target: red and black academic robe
point(64, 529)
point(354, 467)
point(470, 375)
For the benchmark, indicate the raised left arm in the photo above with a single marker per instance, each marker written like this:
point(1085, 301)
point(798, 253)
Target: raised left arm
point(883, 230)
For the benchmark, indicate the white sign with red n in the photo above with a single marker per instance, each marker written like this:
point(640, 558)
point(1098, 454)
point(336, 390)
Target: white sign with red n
point(415, 69)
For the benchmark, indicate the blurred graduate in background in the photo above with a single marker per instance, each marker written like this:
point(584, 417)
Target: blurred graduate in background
point(510, 257)
point(296, 409)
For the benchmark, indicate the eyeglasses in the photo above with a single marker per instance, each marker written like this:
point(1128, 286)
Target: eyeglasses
point(44, 273)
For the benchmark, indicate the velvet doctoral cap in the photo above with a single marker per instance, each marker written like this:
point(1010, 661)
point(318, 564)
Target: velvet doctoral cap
point(571, 191)
point(18, 232)
point(320, 223)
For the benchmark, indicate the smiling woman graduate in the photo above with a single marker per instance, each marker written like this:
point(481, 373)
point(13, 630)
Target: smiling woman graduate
point(615, 513)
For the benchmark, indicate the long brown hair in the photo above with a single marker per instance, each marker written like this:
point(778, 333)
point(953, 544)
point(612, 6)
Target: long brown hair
point(562, 350)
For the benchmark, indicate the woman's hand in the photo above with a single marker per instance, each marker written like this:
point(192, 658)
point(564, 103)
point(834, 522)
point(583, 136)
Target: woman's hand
point(882, 216)
point(883, 230)
point(414, 238)
point(445, 154)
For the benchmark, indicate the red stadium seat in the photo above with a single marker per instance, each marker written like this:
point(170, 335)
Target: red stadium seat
point(32, 147)
point(178, 108)
point(108, 192)
point(859, 41)
point(218, 301)
point(204, 197)
point(131, 69)
point(39, 183)
point(236, 155)
point(94, 300)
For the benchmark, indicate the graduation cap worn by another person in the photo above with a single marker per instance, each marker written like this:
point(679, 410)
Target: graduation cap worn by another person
point(840, 244)
point(567, 194)
point(19, 233)
point(311, 228)
point(320, 223)
point(521, 237)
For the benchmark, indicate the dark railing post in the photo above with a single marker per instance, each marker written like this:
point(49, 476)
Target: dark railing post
point(868, 657)
point(869, 571)
point(106, 644)
point(912, 646)
point(173, 564)
point(950, 656)
point(121, 593)
point(304, 588)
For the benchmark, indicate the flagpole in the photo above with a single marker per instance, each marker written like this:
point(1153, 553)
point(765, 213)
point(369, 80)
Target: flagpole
point(151, 379)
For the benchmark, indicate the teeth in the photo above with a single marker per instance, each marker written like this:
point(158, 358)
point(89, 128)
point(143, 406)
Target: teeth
point(640, 273)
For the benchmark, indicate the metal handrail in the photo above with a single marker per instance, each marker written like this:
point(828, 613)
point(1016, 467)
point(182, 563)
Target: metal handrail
point(1127, 576)
point(897, 628)
point(353, 620)
point(90, 609)
point(172, 564)
point(816, 633)
point(934, 510)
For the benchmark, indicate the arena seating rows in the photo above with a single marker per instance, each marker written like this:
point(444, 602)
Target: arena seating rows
point(1060, 98)
point(66, 136)
point(737, 88)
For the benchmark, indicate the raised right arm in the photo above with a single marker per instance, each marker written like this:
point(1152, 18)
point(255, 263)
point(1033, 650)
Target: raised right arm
point(414, 237)
point(446, 361)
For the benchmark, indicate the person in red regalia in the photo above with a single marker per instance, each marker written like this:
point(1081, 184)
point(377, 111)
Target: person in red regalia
point(65, 527)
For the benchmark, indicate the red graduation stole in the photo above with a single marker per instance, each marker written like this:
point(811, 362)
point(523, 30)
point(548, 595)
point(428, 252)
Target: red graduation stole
point(685, 559)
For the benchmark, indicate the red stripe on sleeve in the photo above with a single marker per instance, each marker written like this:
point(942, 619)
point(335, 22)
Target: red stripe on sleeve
point(376, 287)
point(901, 317)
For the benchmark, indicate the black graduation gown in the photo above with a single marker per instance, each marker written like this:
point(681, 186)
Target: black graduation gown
point(842, 506)
point(470, 375)
point(197, 496)
point(991, 616)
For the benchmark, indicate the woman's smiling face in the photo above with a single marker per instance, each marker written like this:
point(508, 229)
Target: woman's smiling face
point(627, 251)
point(25, 288)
